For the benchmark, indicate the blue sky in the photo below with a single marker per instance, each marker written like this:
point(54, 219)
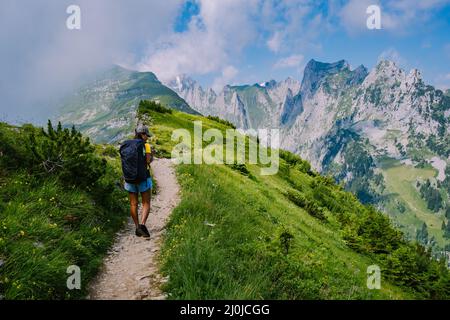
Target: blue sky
point(415, 34)
point(216, 42)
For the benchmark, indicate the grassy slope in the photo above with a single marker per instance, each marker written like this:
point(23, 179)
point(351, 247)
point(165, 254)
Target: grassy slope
point(47, 225)
point(223, 239)
point(400, 182)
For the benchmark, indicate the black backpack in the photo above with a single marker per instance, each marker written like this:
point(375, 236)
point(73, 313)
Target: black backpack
point(134, 163)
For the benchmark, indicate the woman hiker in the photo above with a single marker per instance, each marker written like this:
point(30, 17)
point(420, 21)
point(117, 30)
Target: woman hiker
point(136, 157)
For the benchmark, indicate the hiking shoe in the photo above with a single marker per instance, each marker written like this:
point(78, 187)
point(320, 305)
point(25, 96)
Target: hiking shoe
point(140, 232)
point(145, 230)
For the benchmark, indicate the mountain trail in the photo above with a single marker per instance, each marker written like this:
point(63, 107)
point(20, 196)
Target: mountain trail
point(130, 270)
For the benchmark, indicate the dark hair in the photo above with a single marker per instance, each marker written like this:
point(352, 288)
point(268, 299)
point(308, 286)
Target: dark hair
point(138, 135)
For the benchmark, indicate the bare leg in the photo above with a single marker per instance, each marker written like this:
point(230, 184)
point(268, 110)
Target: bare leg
point(146, 198)
point(134, 201)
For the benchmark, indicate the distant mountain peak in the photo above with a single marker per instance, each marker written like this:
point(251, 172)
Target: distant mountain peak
point(262, 84)
point(181, 82)
point(317, 66)
point(125, 70)
point(361, 68)
point(316, 71)
point(289, 82)
point(270, 84)
point(388, 68)
point(388, 72)
point(387, 64)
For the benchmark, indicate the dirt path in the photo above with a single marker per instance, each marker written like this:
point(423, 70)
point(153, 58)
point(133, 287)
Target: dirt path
point(130, 269)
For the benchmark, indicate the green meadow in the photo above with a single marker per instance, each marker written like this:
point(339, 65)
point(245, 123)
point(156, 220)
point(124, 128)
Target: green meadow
point(295, 235)
point(400, 182)
point(236, 234)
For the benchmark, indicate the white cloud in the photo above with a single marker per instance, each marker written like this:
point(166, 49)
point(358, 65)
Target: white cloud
point(226, 28)
point(47, 59)
point(293, 61)
point(353, 15)
point(392, 54)
point(292, 25)
point(228, 74)
point(413, 5)
point(443, 81)
point(274, 43)
point(396, 15)
point(41, 59)
point(197, 52)
point(40, 54)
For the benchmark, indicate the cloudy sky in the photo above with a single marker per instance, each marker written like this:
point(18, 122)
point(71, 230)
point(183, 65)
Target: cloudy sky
point(216, 42)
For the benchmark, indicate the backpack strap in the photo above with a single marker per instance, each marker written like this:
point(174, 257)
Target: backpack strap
point(148, 148)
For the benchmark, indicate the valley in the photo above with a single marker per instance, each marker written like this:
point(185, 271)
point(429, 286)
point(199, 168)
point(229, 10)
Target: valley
point(400, 183)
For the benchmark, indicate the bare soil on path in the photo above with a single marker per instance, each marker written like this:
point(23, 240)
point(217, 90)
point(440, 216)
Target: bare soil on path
point(130, 270)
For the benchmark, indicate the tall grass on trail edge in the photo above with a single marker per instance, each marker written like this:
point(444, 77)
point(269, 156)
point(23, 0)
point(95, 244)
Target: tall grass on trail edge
point(44, 228)
point(48, 224)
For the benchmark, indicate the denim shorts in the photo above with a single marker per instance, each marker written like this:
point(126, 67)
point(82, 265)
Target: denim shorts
point(139, 187)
